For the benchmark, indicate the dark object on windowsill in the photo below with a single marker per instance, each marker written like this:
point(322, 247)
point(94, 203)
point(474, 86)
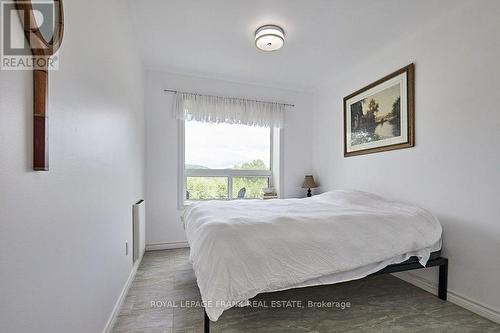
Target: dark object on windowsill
point(241, 193)
point(309, 184)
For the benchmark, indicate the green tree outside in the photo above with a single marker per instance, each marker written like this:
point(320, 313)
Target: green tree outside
point(204, 188)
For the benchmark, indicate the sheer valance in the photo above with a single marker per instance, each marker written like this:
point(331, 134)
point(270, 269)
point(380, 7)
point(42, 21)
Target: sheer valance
point(215, 109)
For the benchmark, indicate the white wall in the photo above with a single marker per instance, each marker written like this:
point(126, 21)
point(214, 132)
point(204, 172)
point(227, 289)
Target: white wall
point(63, 232)
point(163, 223)
point(454, 169)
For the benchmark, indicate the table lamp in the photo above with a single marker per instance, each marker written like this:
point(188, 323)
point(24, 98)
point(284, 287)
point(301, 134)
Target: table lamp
point(309, 184)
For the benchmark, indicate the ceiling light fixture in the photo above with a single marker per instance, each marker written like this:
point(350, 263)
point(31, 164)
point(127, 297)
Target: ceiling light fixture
point(269, 38)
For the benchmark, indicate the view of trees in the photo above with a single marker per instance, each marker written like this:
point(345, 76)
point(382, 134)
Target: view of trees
point(254, 165)
point(253, 186)
point(204, 188)
point(396, 117)
point(364, 124)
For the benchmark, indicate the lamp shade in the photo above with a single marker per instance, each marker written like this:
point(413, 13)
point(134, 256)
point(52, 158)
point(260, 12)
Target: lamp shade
point(309, 182)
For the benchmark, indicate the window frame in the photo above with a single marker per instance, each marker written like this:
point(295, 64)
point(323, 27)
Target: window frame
point(272, 174)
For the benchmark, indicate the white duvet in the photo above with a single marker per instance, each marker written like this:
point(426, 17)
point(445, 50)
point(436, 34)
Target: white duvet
point(242, 248)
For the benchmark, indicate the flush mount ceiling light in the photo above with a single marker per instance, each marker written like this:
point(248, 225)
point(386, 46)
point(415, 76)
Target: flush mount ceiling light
point(269, 38)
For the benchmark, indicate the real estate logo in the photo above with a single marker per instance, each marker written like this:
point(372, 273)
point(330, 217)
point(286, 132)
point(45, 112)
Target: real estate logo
point(27, 48)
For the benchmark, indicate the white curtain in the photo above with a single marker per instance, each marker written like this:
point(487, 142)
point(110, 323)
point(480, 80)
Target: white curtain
point(215, 109)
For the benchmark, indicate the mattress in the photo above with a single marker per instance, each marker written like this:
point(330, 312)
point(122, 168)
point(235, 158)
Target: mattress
point(245, 247)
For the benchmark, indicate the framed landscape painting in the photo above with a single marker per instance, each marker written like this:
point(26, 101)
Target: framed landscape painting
point(380, 116)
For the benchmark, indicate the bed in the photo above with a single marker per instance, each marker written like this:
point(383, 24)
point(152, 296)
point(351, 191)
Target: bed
point(242, 248)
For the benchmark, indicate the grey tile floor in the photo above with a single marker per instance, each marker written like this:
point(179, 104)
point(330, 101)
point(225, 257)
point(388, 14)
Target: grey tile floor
point(377, 304)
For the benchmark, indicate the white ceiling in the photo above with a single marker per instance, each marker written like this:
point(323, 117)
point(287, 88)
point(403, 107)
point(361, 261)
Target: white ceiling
point(215, 38)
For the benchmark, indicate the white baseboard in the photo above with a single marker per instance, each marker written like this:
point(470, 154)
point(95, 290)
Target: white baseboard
point(119, 302)
point(455, 298)
point(166, 246)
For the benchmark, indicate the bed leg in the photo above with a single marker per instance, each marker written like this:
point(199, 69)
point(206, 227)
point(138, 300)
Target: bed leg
point(443, 280)
point(207, 322)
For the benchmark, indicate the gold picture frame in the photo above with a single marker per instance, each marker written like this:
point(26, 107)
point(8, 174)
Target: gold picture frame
point(381, 116)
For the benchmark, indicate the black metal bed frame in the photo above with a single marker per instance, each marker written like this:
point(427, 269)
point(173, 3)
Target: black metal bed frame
point(408, 265)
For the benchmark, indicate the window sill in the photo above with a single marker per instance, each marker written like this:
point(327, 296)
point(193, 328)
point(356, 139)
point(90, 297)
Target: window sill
point(188, 203)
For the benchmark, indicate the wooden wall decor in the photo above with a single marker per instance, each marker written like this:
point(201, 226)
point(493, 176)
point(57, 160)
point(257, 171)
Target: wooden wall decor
point(381, 116)
point(41, 50)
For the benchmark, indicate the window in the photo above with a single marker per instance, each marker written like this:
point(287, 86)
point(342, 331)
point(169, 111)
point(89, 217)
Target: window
point(225, 161)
